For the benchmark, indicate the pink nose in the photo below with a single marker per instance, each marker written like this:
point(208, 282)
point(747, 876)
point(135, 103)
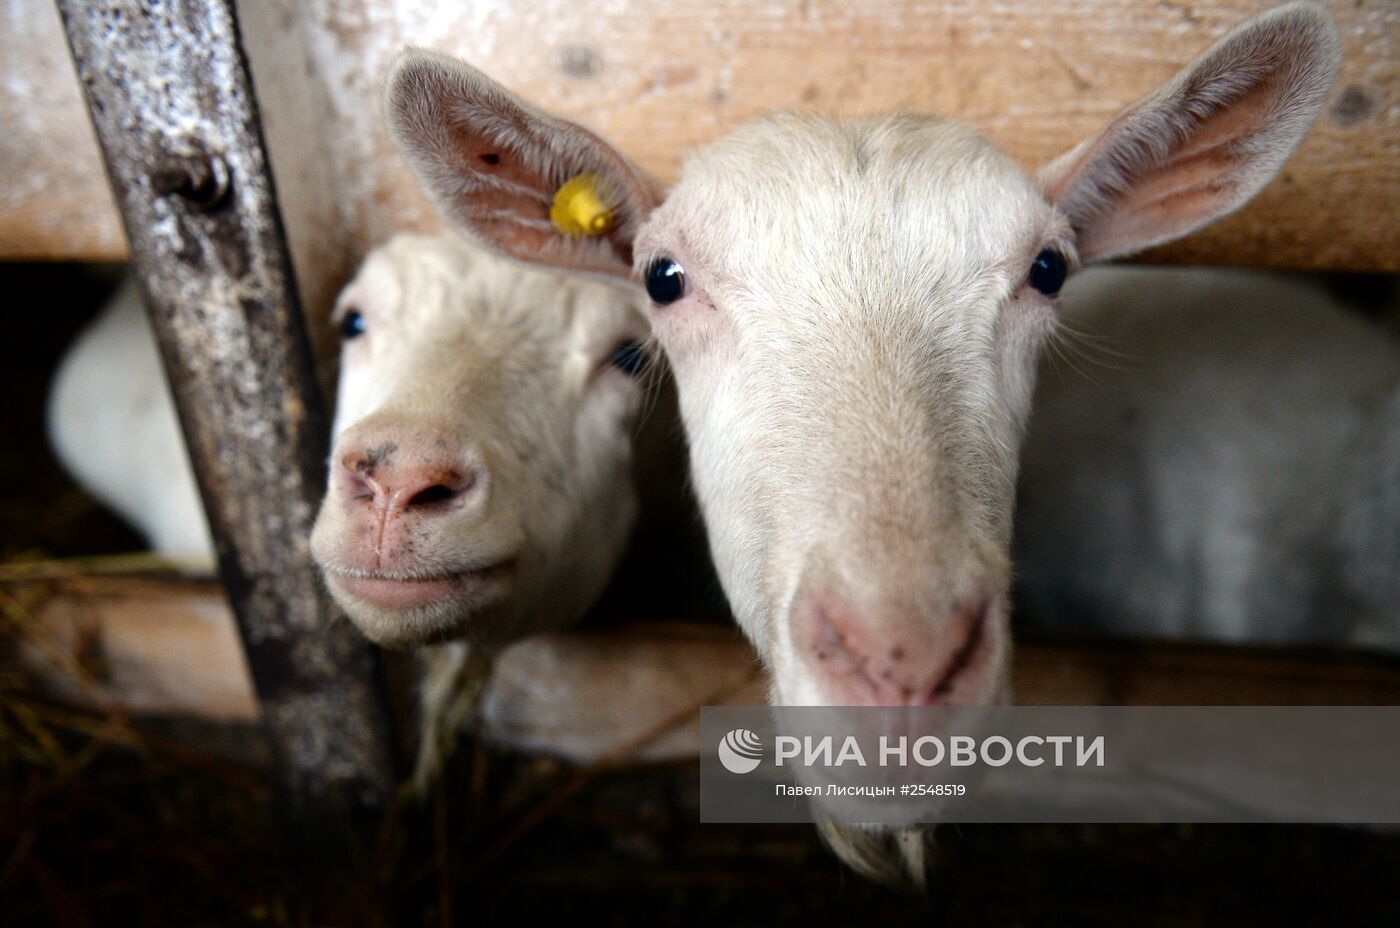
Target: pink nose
point(400, 477)
point(895, 655)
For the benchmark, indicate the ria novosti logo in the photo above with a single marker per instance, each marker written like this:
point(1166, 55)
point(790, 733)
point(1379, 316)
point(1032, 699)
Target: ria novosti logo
point(740, 751)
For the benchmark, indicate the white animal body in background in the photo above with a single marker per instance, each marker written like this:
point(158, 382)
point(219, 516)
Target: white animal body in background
point(482, 480)
point(112, 424)
point(1231, 472)
point(853, 311)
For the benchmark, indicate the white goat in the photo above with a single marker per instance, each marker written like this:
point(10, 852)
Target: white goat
point(481, 483)
point(1239, 478)
point(112, 425)
point(853, 310)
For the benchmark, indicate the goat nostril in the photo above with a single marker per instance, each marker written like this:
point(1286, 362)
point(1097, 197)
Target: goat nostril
point(437, 493)
point(452, 486)
point(417, 474)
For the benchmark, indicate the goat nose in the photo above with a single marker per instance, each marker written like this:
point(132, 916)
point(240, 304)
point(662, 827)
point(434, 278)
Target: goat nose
point(391, 477)
point(893, 655)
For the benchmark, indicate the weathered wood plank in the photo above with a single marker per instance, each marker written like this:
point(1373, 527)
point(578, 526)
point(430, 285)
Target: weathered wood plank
point(54, 199)
point(169, 649)
point(662, 76)
point(323, 252)
point(171, 98)
point(158, 648)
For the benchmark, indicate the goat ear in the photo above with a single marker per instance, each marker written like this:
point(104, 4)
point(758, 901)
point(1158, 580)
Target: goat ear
point(1205, 143)
point(494, 165)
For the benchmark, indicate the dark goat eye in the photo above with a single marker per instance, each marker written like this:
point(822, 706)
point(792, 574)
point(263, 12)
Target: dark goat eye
point(352, 325)
point(629, 357)
point(1048, 272)
point(665, 281)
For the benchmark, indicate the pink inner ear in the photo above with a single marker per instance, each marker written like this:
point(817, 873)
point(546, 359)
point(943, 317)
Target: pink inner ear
point(505, 200)
point(506, 196)
point(1205, 143)
point(493, 164)
point(1199, 179)
point(1242, 117)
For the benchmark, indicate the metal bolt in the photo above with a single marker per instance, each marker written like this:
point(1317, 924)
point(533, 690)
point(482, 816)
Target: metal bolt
point(202, 180)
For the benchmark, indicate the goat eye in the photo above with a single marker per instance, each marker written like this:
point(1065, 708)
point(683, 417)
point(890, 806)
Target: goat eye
point(629, 357)
point(1048, 272)
point(665, 281)
point(352, 325)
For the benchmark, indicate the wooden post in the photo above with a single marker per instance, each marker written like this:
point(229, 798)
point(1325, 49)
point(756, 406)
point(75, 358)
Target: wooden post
point(169, 92)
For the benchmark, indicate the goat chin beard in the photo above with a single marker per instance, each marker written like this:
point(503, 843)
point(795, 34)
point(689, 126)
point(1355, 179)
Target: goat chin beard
point(896, 856)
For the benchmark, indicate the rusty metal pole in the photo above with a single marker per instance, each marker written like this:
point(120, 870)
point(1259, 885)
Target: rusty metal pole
point(169, 92)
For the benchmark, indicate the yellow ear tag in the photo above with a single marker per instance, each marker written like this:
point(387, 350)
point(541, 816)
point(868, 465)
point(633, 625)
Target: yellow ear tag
point(579, 210)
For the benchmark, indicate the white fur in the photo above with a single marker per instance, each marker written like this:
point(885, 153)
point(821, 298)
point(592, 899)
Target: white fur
point(506, 365)
point(112, 424)
point(855, 375)
point(476, 350)
point(856, 352)
point(1238, 478)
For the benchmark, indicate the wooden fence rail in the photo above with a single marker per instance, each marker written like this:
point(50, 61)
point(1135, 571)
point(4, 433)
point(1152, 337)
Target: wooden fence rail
point(169, 649)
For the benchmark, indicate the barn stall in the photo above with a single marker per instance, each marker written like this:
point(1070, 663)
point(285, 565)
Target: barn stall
point(255, 127)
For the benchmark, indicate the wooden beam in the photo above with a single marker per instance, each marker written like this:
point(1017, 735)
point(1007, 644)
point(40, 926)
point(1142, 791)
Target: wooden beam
point(170, 96)
point(660, 77)
point(168, 649)
point(54, 199)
